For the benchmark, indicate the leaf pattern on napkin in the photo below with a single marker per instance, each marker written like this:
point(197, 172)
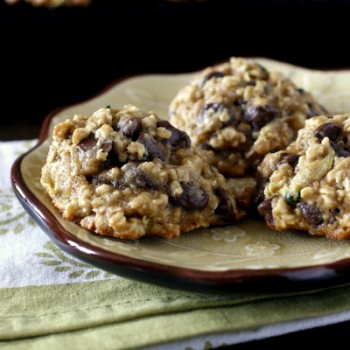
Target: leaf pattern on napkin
point(12, 216)
point(55, 258)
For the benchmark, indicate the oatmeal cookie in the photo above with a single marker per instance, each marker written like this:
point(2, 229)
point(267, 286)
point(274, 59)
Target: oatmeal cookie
point(307, 186)
point(238, 112)
point(126, 173)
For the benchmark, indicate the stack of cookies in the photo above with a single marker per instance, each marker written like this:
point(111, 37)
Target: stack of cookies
point(127, 173)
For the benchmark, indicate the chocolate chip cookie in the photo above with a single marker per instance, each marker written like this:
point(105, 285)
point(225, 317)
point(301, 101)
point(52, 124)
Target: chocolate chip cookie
point(238, 112)
point(307, 186)
point(126, 173)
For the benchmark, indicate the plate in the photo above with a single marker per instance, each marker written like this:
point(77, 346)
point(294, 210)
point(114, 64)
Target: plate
point(241, 255)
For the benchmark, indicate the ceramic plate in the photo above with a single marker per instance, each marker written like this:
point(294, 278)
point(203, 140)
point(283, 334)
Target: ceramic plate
point(220, 256)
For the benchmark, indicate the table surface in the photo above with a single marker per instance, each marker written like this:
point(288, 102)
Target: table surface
point(56, 58)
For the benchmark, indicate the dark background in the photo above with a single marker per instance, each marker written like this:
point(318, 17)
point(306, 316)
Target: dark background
point(52, 58)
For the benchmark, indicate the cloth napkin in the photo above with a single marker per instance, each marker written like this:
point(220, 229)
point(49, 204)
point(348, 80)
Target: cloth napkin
point(50, 300)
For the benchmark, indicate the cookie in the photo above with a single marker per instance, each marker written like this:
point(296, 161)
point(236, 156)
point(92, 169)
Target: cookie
point(126, 173)
point(238, 112)
point(307, 186)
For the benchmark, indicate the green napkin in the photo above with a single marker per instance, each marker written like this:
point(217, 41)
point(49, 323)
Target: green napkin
point(123, 314)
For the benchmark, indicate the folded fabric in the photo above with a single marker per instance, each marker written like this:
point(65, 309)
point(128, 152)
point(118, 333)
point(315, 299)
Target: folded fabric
point(51, 300)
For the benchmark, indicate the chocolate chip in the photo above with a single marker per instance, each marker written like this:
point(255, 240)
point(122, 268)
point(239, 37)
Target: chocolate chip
point(343, 153)
point(232, 119)
point(88, 143)
point(211, 76)
point(259, 116)
point(164, 124)
point(144, 180)
point(178, 138)
point(331, 220)
point(330, 130)
point(224, 207)
point(184, 140)
point(107, 146)
point(207, 147)
point(260, 188)
point(265, 209)
point(339, 151)
point(239, 102)
point(289, 158)
point(215, 106)
point(101, 179)
point(154, 149)
point(132, 177)
point(130, 127)
point(95, 180)
point(312, 214)
point(135, 177)
point(111, 161)
point(191, 198)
